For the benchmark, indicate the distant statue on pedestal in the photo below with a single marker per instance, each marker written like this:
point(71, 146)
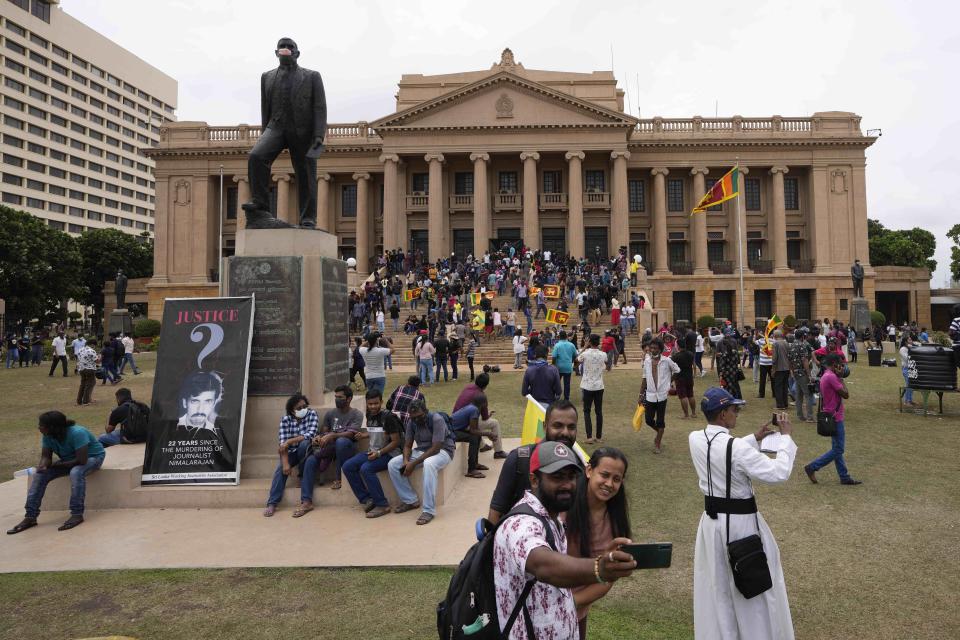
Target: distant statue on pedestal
point(293, 109)
point(856, 272)
point(121, 289)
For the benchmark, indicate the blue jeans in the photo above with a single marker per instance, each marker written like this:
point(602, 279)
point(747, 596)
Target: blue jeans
point(343, 450)
point(128, 359)
point(110, 369)
point(279, 483)
point(426, 371)
point(441, 362)
point(431, 469)
point(13, 357)
point(908, 392)
point(361, 473)
point(565, 378)
point(835, 454)
point(454, 355)
point(388, 362)
point(112, 438)
point(376, 383)
point(78, 485)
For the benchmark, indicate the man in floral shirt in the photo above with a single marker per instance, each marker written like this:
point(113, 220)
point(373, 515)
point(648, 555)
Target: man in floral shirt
point(523, 551)
point(87, 368)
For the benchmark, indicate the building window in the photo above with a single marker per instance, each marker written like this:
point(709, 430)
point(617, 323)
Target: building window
point(675, 194)
point(791, 194)
point(55, 224)
point(13, 46)
point(35, 203)
point(231, 203)
point(421, 183)
point(752, 188)
point(636, 196)
point(75, 228)
point(348, 248)
point(463, 183)
point(595, 181)
point(794, 250)
point(12, 198)
point(843, 304)
point(754, 250)
point(678, 252)
point(763, 303)
point(683, 306)
point(41, 9)
point(9, 178)
point(507, 182)
point(715, 251)
point(723, 304)
point(348, 200)
point(553, 182)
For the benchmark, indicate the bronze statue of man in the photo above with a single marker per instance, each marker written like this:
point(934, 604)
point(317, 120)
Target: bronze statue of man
point(293, 111)
point(120, 289)
point(856, 272)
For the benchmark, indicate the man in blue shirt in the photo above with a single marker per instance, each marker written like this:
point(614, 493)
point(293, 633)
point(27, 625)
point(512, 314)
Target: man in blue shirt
point(79, 453)
point(466, 428)
point(563, 354)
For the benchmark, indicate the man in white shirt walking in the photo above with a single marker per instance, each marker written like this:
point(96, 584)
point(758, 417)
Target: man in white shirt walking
point(591, 384)
point(658, 373)
point(720, 611)
point(59, 354)
point(127, 342)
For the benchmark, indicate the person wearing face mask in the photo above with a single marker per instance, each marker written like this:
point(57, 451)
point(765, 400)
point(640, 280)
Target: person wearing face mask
point(535, 545)
point(559, 425)
point(298, 426)
point(598, 514)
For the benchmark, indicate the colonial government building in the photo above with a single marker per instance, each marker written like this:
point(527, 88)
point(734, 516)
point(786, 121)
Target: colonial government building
point(550, 157)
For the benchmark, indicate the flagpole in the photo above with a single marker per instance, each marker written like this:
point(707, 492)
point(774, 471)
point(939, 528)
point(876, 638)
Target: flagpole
point(740, 244)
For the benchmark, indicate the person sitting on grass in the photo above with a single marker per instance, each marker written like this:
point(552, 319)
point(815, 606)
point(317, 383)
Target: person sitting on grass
point(466, 428)
point(426, 442)
point(385, 433)
point(79, 453)
point(298, 426)
point(598, 515)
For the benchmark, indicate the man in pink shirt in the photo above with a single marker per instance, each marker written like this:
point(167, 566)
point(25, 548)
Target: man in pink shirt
point(833, 391)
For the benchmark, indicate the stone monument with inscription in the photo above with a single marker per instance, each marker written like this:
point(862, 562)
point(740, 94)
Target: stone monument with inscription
point(300, 328)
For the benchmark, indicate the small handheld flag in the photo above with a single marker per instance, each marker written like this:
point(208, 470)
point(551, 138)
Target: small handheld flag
point(551, 291)
point(724, 189)
point(555, 316)
point(412, 294)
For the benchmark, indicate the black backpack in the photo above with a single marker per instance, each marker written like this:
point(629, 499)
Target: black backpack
point(470, 607)
point(135, 426)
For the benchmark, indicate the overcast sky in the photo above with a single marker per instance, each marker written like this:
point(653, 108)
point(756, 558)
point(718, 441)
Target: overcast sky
point(894, 63)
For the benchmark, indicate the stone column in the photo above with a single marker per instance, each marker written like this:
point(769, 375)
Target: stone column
point(162, 236)
point(283, 198)
point(698, 225)
point(325, 220)
point(402, 206)
point(435, 208)
point(482, 231)
point(741, 208)
point(243, 195)
point(620, 206)
point(820, 222)
point(531, 205)
point(391, 204)
point(777, 224)
point(575, 233)
point(363, 222)
point(660, 266)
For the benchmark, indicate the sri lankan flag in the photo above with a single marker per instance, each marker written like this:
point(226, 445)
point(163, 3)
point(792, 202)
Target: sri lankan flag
point(533, 432)
point(772, 324)
point(412, 294)
point(475, 299)
point(478, 320)
point(533, 291)
point(551, 291)
point(725, 188)
point(555, 316)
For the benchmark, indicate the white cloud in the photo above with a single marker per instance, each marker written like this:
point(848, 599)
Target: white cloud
point(892, 62)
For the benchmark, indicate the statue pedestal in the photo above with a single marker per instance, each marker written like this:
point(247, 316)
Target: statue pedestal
point(859, 314)
point(300, 335)
point(120, 322)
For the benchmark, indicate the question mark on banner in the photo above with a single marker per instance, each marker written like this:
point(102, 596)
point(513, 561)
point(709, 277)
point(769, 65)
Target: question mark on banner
point(216, 339)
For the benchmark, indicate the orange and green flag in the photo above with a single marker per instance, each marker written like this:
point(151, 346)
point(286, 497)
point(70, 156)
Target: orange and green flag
point(412, 294)
point(555, 316)
point(475, 299)
point(551, 291)
point(724, 189)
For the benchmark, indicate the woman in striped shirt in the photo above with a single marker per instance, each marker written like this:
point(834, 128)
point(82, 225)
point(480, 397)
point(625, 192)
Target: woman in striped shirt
point(473, 340)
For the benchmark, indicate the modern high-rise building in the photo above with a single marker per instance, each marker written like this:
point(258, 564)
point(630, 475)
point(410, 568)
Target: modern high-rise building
point(78, 112)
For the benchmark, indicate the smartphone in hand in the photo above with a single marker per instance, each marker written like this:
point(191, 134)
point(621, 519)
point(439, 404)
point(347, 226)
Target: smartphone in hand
point(650, 556)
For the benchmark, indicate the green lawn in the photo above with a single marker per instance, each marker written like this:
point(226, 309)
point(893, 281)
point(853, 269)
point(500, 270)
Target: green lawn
point(875, 561)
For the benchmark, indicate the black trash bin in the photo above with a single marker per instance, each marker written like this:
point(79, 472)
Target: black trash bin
point(874, 356)
point(932, 367)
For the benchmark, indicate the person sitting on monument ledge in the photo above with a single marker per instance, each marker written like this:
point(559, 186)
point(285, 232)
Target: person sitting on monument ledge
point(120, 428)
point(385, 433)
point(335, 442)
point(428, 443)
point(298, 427)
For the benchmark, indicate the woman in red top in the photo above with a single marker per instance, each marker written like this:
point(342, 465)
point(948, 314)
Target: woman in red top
point(609, 346)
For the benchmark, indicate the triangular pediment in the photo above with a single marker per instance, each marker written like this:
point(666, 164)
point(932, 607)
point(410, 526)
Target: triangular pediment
point(503, 100)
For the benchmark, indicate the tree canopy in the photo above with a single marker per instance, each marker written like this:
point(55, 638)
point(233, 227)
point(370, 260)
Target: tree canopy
point(901, 247)
point(954, 234)
point(104, 252)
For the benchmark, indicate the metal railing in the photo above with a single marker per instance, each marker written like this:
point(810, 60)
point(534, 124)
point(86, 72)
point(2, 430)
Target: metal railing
point(722, 267)
point(681, 268)
point(801, 266)
point(761, 266)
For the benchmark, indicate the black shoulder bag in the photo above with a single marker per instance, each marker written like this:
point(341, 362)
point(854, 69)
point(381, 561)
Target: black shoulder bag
point(748, 561)
point(826, 420)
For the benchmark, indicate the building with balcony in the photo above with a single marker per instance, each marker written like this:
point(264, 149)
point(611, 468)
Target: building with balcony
point(550, 158)
point(78, 111)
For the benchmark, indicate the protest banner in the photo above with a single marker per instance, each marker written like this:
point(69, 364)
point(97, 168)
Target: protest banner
point(195, 431)
point(555, 316)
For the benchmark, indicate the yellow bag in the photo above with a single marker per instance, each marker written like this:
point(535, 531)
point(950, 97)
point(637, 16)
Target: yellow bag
point(638, 417)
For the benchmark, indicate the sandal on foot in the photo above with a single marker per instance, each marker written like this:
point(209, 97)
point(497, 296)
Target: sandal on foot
point(302, 510)
point(425, 518)
point(403, 507)
point(269, 510)
point(70, 523)
point(336, 485)
point(474, 474)
point(482, 467)
point(23, 525)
